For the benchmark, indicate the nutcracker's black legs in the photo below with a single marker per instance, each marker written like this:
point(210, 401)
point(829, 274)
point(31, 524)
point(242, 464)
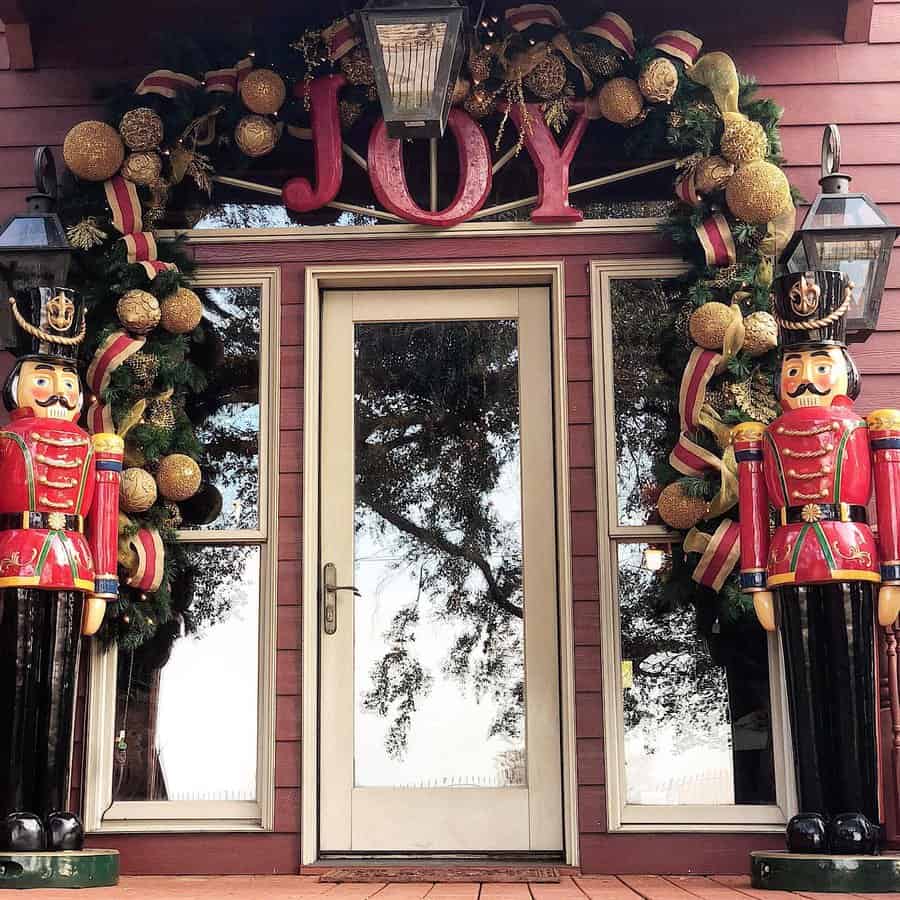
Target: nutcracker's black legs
point(828, 637)
point(39, 642)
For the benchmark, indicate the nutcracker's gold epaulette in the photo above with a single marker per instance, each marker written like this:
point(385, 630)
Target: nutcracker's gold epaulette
point(107, 443)
point(748, 431)
point(884, 420)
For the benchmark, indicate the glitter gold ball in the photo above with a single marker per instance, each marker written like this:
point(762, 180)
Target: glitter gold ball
point(678, 510)
point(142, 167)
point(709, 323)
point(178, 477)
point(93, 151)
point(141, 129)
point(758, 192)
point(743, 140)
point(658, 80)
point(760, 333)
point(263, 92)
point(256, 135)
point(548, 78)
point(620, 100)
point(137, 490)
point(138, 311)
point(712, 174)
point(357, 68)
point(181, 312)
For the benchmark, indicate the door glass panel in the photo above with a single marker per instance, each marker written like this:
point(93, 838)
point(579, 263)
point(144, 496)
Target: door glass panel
point(186, 701)
point(695, 699)
point(439, 639)
point(644, 396)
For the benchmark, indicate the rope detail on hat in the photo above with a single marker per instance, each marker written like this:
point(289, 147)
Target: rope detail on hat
point(830, 319)
point(35, 332)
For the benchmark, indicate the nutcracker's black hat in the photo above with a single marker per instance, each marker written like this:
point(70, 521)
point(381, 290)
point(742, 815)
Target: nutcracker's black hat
point(811, 308)
point(48, 323)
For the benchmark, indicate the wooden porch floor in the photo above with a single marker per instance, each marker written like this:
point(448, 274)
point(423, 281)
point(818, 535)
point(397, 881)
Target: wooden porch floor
point(587, 887)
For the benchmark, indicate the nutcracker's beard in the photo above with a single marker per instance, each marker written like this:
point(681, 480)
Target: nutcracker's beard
point(56, 407)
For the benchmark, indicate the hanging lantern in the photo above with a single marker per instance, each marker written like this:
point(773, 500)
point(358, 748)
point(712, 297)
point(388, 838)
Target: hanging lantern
point(847, 232)
point(416, 50)
point(34, 250)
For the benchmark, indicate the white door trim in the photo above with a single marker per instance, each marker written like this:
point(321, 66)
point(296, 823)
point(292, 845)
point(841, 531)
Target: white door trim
point(429, 275)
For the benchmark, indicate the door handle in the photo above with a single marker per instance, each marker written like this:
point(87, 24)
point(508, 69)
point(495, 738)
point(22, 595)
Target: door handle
point(330, 589)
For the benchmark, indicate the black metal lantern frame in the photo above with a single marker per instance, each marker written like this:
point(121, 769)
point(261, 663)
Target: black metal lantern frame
point(416, 49)
point(845, 231)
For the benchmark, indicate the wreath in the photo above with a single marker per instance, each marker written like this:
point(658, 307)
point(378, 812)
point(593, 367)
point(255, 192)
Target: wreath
point(163, 143)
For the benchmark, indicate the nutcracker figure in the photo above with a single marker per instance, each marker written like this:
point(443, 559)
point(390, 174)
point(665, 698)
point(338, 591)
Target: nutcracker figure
point(58, 530)
point(816, 573)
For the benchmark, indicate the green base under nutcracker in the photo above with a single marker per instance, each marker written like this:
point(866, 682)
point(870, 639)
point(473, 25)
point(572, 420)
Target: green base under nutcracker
point(814, 872)
point(59, 869)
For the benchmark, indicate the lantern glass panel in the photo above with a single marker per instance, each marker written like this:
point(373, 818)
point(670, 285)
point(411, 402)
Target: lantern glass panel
point(844, 211)
point(412, 53)
point(33, 232)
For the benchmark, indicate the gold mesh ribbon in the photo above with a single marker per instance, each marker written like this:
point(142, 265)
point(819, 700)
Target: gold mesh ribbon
point(717, 72)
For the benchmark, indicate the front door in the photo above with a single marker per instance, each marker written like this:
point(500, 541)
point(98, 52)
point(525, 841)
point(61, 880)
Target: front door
point(439, 706)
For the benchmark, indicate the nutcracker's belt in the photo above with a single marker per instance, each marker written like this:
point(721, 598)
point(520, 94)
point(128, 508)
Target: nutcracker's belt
point(55, 520)
point(822, 512)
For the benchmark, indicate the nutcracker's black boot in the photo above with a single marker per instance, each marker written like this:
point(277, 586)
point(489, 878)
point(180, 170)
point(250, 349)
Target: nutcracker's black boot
point(22, 832)
point(853, 834)
point(64, 831)
point(807, 833)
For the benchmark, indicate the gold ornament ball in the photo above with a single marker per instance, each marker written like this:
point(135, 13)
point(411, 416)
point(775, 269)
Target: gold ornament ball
point(357, 68)
point(678, 510)
point(758, 192)
point(743, 140)
point(256, 135)
point(480, 103)
point(263, 92)
point(143, 167)
point(712, 174)
point(181, 312)
point(141, 129)
point(548, 78)
point(138, 311)
point(178, 477)
point(658, 80)
point(620, 100)
point(709, 323)
point(93, 151)
point(760, 333)
point(137, 490)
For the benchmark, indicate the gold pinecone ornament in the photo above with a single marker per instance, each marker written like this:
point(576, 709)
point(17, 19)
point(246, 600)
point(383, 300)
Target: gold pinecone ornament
point(620, 100)
point(93, 151)
point(263, 92)
point(357, 67)
point(743, 140)
point(599, 60)
point(137, 490)
point(144, 369)
point(256, 135)
point(709, 323)
point(712, 173)
point(480, 103)
point(758, 192)
point(141, 129)
point(161, 411)
point(138, 311)
point(181, 312)
point(178, 477)
point(143, 167)
point(481, 65)
point(658, 80)
point(173, 515)
point(678, 510)
point(760, 333)
point(349, 113)
point(548, 78)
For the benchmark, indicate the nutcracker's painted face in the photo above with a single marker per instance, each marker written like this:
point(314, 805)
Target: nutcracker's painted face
point(813, 377)
point(51, 390)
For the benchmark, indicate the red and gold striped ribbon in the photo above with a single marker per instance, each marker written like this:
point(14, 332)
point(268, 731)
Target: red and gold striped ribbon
point(719, 551)
point(340, 37)
point(613, 28)
point(150, 555)
point(166, 83)
point(521, 17)
point(681, 44)
point(717, 241)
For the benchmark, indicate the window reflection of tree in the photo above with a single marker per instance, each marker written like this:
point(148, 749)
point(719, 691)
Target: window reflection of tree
point(437, 420)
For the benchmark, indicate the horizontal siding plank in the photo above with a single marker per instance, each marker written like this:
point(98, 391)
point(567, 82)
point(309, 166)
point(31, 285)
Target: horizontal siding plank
point(879, 354)
point(881, 183)
point(861, 145)
point(62, 87)
point(32, 127)
point(878, 391)
point(885, 23)
point(844, 103)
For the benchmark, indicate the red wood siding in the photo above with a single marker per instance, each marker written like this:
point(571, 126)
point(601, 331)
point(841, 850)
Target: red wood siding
point(806, 67)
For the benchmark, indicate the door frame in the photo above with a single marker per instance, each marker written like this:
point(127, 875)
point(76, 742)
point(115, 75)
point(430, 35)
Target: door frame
point(430, 275)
